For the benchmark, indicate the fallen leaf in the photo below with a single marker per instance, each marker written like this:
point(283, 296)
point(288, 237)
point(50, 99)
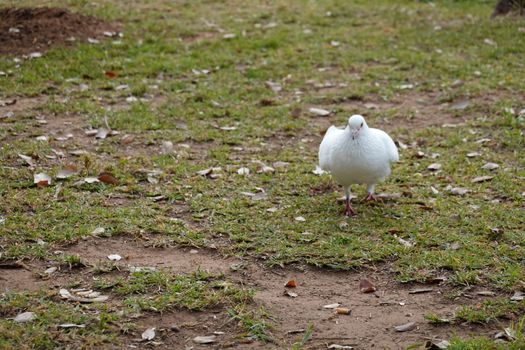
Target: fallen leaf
point(331, 306)
point(365, 286)
point(343, 311)
point(229, 36)
point(205, 339)
point(243, 171)
point(108, 178)
point(300, 219)
point(148, 334)
point(485, 140)
point(404, 242)
point(78, 152)
point(457, 191)
point(114, 257)
point(71, 325)
point(436, 345)
point(33, 55)
point(42, 180)
point(67, 171)
point(90, 180)
point(406, 86)
point(420, 290)
point(460, 105)
point(405, 327)
point(482, 179)
point(490, 166)
point(280, 165)
point(228, 128)
point(473, 154)
point(167, 147)
point(127, 139)
point(87, 298)
point(110, 74)
point(518, 296)
point(29, 160)
point(290, 294)
point(275, 87)
point(489, 42)
point(296, 331)
point(102, 133)
point(337, 346)
point(434, 166)
point(50, 270)
point(486, 293)
point(319, 112)
point(25, 317)
point(291, 284)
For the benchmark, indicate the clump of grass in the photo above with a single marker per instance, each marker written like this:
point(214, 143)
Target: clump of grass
point(256, 323)
point(490, 310)
point(196, 291)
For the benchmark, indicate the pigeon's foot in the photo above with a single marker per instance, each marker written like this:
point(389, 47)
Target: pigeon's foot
point(349, 211)
point(372, 198)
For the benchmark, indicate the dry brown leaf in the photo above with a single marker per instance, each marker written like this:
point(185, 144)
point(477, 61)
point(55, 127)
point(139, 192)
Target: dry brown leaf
point(291, 284)
point(108, 178)
point(365, 286)
point(482, 179)
point(42, 180)
point(110, 74)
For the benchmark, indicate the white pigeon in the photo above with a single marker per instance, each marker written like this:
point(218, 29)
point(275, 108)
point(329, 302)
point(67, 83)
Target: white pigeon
point(357, 154)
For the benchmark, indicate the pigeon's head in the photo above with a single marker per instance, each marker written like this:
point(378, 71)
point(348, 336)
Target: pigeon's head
point(356, 124)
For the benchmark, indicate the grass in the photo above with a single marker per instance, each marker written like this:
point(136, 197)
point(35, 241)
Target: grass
point(475, 239)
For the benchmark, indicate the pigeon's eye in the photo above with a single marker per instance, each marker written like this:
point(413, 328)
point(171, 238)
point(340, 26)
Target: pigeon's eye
point(361, 124)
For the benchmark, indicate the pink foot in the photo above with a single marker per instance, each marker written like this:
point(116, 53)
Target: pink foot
point(349, 211)
point(372, 198)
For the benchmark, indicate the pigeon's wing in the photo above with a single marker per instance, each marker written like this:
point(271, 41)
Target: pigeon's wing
point(325, 149)
point(390, 146)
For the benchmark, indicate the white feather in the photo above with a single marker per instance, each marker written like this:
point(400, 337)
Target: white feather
point(363, 159)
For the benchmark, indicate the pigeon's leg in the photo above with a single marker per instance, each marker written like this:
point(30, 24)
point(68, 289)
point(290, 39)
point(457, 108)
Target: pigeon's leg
point(349, 211)
point(371, 196)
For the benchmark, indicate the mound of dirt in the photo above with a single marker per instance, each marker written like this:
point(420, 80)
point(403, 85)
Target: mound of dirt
point(26, 30)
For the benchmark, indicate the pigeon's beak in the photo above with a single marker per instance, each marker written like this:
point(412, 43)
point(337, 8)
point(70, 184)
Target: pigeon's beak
point(354, 133)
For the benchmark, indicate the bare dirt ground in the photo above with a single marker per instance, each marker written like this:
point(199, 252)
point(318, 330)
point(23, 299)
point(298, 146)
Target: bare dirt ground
point(370, 324)
point(29, 30)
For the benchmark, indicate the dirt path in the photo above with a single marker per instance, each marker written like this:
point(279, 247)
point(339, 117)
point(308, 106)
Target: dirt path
point(370, 324)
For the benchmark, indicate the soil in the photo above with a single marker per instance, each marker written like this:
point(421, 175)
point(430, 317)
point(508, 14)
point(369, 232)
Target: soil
point(370, 324)
point(28, 30)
